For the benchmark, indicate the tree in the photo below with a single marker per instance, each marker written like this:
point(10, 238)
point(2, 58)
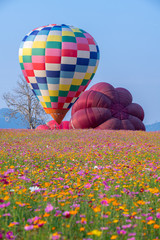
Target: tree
point(23, 101)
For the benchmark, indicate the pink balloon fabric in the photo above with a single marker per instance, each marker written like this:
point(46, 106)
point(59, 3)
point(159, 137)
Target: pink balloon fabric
point(106, 107)
point(53, 125)
point(43, 127)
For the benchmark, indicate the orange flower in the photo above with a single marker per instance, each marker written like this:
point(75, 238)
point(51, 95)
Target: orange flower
point(150, 222)
point(82, 229)
point(156, 226)
point(114, 237)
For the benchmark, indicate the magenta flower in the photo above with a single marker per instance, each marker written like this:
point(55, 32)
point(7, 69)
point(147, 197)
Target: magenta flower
point(133, 238)
point(25, 178)
point(121, 232)
point(6, 214)
point(158, 215)
point(88, 185)
point(49, 208)
point(15, 223)
point(1, 236)
point(104, 202)
point(5, 205)
point(31, 220)
point(131, 234)
point(104, 228)
point(9, 235)
point(67, 214)
point(126, 226)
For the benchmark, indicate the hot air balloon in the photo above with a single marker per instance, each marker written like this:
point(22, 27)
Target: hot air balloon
point(53, 125)
point(106, 107)
point(58, 62)
point(43, 127)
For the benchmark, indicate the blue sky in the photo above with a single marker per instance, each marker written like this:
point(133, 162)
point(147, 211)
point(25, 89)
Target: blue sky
point(127, 32)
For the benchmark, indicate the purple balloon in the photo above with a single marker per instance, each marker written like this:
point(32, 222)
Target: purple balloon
point(106, 107)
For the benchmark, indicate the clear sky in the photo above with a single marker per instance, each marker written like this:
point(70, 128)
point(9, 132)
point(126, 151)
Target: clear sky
point(127, 32)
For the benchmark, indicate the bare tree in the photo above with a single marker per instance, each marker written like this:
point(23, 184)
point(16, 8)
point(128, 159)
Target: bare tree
point(23, 101)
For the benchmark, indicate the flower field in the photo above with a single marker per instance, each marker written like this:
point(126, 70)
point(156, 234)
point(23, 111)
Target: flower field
point(79, 184)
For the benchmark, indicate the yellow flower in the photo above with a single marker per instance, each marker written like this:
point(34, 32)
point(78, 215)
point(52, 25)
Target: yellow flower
point(115, 221)
point(95, 232)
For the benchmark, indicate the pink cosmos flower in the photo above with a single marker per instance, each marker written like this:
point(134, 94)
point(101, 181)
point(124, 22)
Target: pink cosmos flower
point(131, 234)
point(67, 214)
point(31, 220)
point(49, 208)
point(158, 215)
point(15, 223)
point(105, 216)
point(104, 228)
point(6, 214)
point(88, 185)
point(126, 226)
point(29, 227)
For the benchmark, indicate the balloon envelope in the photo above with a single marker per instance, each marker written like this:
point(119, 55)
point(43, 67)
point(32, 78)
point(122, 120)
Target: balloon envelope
point(43, 127)
point(106, 107)
point(58, 62)
point(53, 125)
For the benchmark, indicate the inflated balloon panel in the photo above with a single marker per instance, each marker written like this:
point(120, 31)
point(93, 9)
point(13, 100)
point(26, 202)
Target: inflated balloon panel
point(106, 107)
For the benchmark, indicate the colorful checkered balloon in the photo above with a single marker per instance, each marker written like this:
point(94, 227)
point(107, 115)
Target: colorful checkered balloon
point(58, 62)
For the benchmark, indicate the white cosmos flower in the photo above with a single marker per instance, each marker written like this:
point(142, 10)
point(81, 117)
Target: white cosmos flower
point(96, 167)
point(34, 188)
